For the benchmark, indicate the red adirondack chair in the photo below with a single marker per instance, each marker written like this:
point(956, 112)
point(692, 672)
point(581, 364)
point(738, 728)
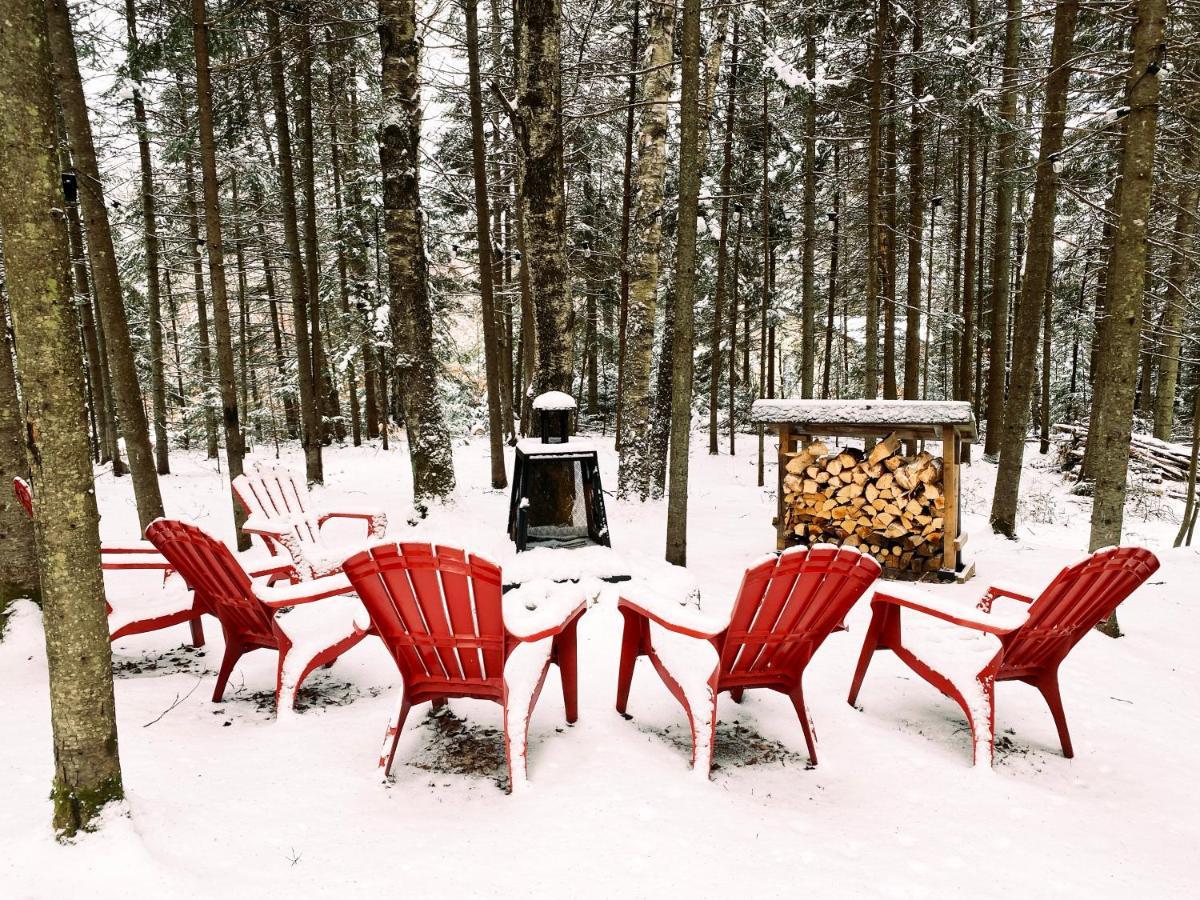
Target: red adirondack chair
point(441, 616)
point(133, 555)
point(786, 607)
point(149, 610)
point(280, 512)
point(1033, 641)
point(311, 635)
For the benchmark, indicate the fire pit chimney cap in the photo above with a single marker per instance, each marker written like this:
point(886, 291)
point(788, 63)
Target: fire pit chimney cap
point(554, 401)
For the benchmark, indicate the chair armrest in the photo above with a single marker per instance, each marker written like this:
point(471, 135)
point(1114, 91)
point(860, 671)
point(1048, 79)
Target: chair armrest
point(685, 620)
point(541, 608)
point(303, 591)
point(274, 527)
point(127, 560)
point(141, 547)
point(1008, 589)
point(956, 613)
point(353, 512)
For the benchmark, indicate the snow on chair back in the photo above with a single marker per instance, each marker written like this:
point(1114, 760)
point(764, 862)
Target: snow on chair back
point(272, 492)
point(785, 608)
point(439, 613)
point(24, 495)
point(1078, 599)
point(218, 580)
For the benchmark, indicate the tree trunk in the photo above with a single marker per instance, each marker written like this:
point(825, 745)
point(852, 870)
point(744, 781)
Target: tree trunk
point(1032, 296)
point(874, 232)
point(891, 229)
point(916, 217)
point(966, 348)
point(411, 318)
point(635, 469)
point(95, 347)
point(104, 267)
point(543, 202)
point(691, 163)
point(491, 339)
point(158, 390)
point(204, 347)
point(714, 386)
point(216, 265)
point(329, 412)
point(808, 337)
point(18, 562)
point(87, 770)
point(627, 189)
point(1179, 274)
point(1109, 435)
point(310, 436)
point(1002, 257)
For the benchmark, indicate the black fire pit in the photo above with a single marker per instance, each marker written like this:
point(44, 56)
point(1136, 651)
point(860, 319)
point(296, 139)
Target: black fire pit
point(557, 498)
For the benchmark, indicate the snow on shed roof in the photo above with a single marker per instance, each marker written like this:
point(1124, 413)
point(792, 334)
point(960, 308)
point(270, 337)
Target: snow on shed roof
point(884, 415)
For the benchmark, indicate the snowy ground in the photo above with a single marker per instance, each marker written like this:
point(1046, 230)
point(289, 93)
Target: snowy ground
point(224, 800)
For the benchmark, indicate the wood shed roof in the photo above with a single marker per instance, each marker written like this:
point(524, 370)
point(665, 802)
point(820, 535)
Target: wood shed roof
point(922, 419)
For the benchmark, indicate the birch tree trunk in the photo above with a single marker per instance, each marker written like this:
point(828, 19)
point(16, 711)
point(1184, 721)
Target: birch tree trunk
point(1119, 336)
point(1040, 255)
point(226, 370)
point(105, 279)
point(87, 770)
point(411, 319)
point(635, 469)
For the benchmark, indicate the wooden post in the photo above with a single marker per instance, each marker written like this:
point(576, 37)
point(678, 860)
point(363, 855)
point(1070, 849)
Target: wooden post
point(785, 439)
point(950, 452)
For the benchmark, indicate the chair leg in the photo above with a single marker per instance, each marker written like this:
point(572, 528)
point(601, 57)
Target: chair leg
point(870, 643)
point(233, 652)
point(197, 628)
point(736, 694)
point(983, 734)
point(566, 647)
point(1048, 685)
point(631, 649)
point(810, 733)
point(387, 755)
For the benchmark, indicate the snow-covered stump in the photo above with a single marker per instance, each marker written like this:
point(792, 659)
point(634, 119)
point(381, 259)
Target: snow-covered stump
point(902, 510)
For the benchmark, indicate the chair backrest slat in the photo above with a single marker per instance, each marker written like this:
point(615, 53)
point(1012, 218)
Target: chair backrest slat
point(1080, 597)
point(24, 495)
point(437, 610)
point(787, 607)
point(218, 581)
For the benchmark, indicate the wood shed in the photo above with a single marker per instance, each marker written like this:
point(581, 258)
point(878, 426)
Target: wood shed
point(887, 497)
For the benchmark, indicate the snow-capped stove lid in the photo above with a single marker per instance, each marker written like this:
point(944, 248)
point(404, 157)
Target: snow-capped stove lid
point(554, 401)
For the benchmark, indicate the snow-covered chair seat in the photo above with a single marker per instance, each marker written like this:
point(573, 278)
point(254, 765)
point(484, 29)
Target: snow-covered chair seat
point(280, 512)
point(1034, 635)
point(452, 633)
point(249, 611)
point(785, 608)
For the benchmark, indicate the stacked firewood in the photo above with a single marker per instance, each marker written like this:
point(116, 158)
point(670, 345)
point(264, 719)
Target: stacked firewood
point(880, 501)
